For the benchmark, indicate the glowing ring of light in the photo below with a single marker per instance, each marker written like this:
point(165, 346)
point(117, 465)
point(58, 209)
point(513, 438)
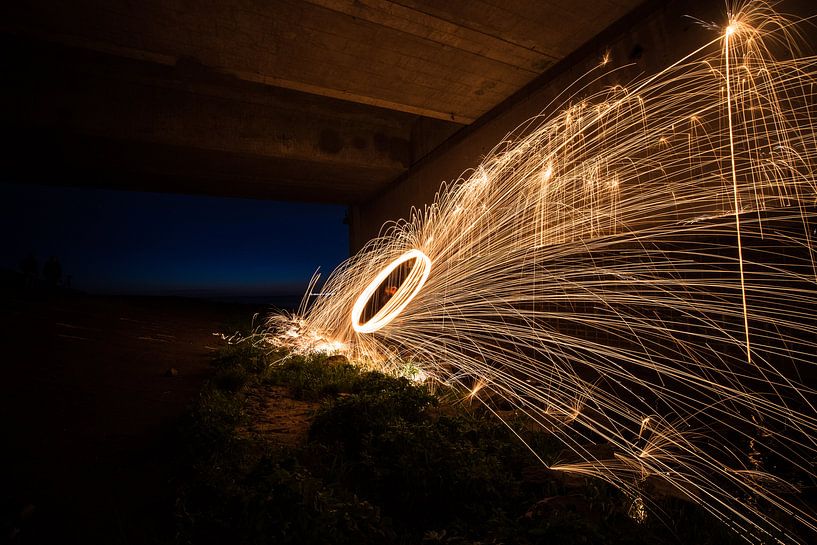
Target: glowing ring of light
point(402, 297)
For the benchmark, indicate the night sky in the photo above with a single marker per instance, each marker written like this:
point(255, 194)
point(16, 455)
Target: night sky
point(167, 244)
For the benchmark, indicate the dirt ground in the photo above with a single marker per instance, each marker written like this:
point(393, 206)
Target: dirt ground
point(277, 417)
point(87, 409)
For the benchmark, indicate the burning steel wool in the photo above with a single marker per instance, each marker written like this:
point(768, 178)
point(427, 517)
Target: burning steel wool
point(637, 271)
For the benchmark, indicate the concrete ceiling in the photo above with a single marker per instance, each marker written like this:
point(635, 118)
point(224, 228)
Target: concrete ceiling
point(325, 100)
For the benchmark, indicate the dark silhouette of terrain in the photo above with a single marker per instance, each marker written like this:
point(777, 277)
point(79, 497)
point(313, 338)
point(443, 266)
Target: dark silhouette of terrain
point(90, 391)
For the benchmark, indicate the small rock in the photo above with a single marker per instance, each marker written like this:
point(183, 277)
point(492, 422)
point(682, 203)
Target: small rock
point(172, 372)
point(333, 361)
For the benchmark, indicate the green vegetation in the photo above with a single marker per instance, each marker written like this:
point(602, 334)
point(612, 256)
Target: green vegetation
point(384, 461)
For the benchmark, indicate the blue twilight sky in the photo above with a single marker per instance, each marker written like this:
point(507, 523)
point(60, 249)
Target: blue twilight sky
point(156, 243)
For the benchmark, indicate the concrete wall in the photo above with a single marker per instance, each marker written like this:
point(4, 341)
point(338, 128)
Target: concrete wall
point(648, 39)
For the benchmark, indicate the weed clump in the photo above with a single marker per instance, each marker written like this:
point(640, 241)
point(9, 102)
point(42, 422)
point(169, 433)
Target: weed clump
point(311, 378)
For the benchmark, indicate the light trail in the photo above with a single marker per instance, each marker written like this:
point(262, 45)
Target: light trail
point(602, 272)
point(399, 298)
point(730, 30)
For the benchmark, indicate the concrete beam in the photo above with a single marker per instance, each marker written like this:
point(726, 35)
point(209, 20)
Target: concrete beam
point(451, 62)
point(79, 116)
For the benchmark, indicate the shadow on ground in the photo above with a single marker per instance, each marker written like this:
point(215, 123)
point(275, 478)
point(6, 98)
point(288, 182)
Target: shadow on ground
point(88, 408)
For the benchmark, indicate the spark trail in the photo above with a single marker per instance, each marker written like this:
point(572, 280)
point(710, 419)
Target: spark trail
point(603, 271)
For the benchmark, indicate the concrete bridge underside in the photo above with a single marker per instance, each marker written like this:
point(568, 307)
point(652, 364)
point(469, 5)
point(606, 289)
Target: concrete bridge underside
point(367, 103)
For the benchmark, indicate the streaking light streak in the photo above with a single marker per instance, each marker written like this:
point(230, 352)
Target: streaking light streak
point(603, 272)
